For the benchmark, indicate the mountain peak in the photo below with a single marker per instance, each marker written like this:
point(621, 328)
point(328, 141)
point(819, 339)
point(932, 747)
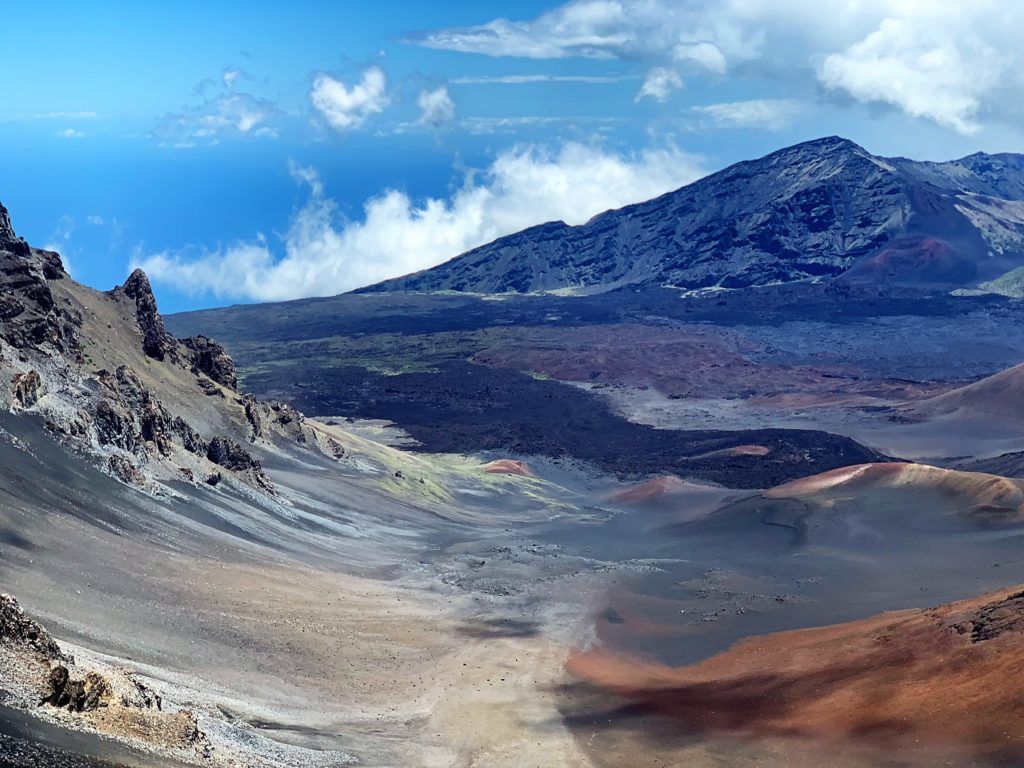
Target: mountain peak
point(826, 144)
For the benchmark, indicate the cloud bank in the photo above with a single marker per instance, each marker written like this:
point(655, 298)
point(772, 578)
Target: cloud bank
point(322, 254)
point(947, 62)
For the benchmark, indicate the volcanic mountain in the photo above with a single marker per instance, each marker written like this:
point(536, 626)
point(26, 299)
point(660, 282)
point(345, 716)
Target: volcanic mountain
point(819, 211)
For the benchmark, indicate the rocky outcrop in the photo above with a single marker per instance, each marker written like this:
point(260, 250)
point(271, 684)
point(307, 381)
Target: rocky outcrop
point(29, 316)
point(125, 471)
point(994, 619)
point(225, 452)
point(75, 695)
point(131, 418)
point(252, 416)
point(27, 388)
point(156, 341)
point(211, 359)
point(17, 629)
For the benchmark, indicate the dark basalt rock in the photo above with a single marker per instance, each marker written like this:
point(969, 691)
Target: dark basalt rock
point(29, 316)
point(115, 427)
point(210, 358)
point(225, 452)
point(131, 418)
point(156, 341)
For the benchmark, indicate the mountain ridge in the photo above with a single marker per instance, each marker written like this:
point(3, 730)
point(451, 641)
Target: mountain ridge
point(821, 210)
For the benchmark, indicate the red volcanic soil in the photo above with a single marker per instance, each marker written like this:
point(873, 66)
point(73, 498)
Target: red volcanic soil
point(951, 675)
point(508, 467)
point(915, 259)
point(651, 489)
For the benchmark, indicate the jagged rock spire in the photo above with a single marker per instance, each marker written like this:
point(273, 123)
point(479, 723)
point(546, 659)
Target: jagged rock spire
point(9, 240)
point(156, 342)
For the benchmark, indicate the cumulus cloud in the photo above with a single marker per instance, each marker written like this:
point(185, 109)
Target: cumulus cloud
point(323, 254)
point(773, 114)
point(436, 107)
point(940, 75)
point(344, 107)
point(226, 115)
point(659, 84)
point(947, 62)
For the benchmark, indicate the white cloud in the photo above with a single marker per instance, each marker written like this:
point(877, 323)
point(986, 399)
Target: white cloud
point(940, 75)
point(609, 29)
point(773, 114)
point(949, 62)
point(708, 55)
point(659, 84)
point(229, 75)
point(322, 254)
point(96, 221)
point(226, 115)
point(344, 107)
point(70, 133)
point(436, 107)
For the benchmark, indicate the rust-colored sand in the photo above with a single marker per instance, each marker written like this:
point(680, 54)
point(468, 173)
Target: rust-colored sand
point(948, 675)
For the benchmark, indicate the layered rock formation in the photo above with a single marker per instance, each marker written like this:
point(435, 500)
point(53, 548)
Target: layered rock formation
point(28, 314)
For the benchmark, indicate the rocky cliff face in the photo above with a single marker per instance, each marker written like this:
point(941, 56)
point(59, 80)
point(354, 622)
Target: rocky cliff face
point(820, 211)
point(28, 314)
point(111, 382)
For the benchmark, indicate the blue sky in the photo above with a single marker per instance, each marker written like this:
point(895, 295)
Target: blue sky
point(257, 151)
